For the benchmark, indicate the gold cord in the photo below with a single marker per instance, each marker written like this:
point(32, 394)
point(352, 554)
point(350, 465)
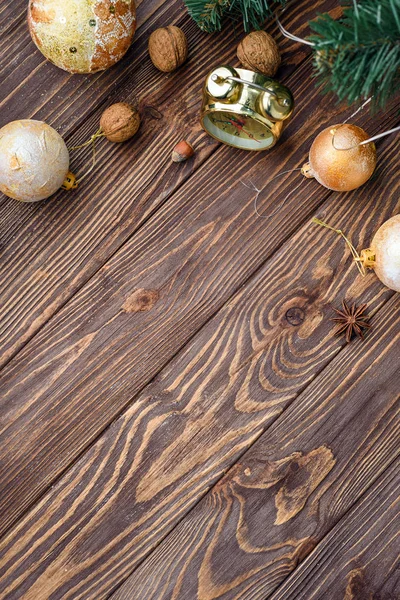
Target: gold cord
point(356, 256)
point(93, 138)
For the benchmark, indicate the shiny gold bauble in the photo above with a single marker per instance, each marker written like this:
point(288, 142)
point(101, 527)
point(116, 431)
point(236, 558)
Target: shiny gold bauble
point(337, 161)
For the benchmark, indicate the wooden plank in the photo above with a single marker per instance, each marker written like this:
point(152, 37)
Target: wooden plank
point(104, 346)
point(291, 487)
point(359, 558)
point(37, 240)
point(12, 12)
point(209, 404)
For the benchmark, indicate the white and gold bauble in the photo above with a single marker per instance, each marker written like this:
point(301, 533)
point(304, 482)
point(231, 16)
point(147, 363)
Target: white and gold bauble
point(82, 36)
point(383, 255)
point(34, 160)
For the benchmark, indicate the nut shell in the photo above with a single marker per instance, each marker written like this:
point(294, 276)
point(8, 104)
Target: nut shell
point(34, 160)
point(119, 122)
point(182, 151)
point(82, 36)
point(345, 166)
point(258, 51)
point(168, 48)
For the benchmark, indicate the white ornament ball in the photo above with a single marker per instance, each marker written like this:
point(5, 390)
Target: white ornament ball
point(385, 247)
point(34, 160)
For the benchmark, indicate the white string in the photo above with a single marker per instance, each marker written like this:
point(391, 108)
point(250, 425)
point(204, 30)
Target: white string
point(380, 135)
point(371, 139)
point(358, 110)
point(258, 192)
point(289, 35)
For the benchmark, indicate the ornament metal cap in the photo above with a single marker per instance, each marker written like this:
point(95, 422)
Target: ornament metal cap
point(70, 182)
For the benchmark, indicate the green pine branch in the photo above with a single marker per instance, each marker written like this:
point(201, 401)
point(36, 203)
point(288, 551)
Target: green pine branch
point(358, 56)
point(211, 14)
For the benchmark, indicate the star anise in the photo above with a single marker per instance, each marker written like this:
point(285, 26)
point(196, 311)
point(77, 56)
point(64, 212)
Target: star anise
point(351, 320)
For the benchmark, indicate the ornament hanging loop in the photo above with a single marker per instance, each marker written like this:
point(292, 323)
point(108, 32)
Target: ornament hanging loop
point(286, 33)
point(364, 142)
point(357, 258)
point(71, 182)
point(99, 133)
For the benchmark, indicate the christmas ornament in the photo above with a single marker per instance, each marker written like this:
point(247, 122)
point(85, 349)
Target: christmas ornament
point(383, 256)
point(259, 52)
point(351, 321)
point(82, 36)
point(119, 122)
point(34, 161)
point(244, 109)
point(339, 160)
point(182, 151)
point(168, 48)
point(330, 173)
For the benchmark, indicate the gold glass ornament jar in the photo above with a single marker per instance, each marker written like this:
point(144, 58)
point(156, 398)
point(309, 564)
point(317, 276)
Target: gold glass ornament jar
point(244, 109)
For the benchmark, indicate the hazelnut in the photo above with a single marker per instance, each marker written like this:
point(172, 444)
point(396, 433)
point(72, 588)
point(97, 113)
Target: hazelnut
point(119, 122)
point(258, 51)
point(168, 48)
point(182, 151)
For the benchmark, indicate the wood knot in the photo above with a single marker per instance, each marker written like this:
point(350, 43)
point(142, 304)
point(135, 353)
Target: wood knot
point(303, 474)
point(152, 112)
point(295, 316)
point(357, 587)
point(141, 300)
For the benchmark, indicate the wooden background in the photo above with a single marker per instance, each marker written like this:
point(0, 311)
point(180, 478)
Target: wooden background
point(177, 420)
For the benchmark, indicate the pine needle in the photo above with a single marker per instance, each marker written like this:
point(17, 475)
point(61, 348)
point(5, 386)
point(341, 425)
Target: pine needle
point(210, 15)
point(358, 56)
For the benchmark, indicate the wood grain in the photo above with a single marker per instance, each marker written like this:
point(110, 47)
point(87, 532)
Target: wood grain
point(103, 289)
point(85, 366)
point(11, 14)
point(64, 241)
point(185, 429)
point(359, 558)
point(179, 210)
point(296, 482)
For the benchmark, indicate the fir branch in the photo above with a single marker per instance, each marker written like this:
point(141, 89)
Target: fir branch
point(358, 56)
point(211, 14)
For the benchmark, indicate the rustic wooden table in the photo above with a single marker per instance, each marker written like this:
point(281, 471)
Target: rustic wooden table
point(177, 419)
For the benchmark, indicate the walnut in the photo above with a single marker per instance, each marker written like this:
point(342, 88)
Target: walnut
point(119, 122)
point(258, 51)
point(168, 48)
